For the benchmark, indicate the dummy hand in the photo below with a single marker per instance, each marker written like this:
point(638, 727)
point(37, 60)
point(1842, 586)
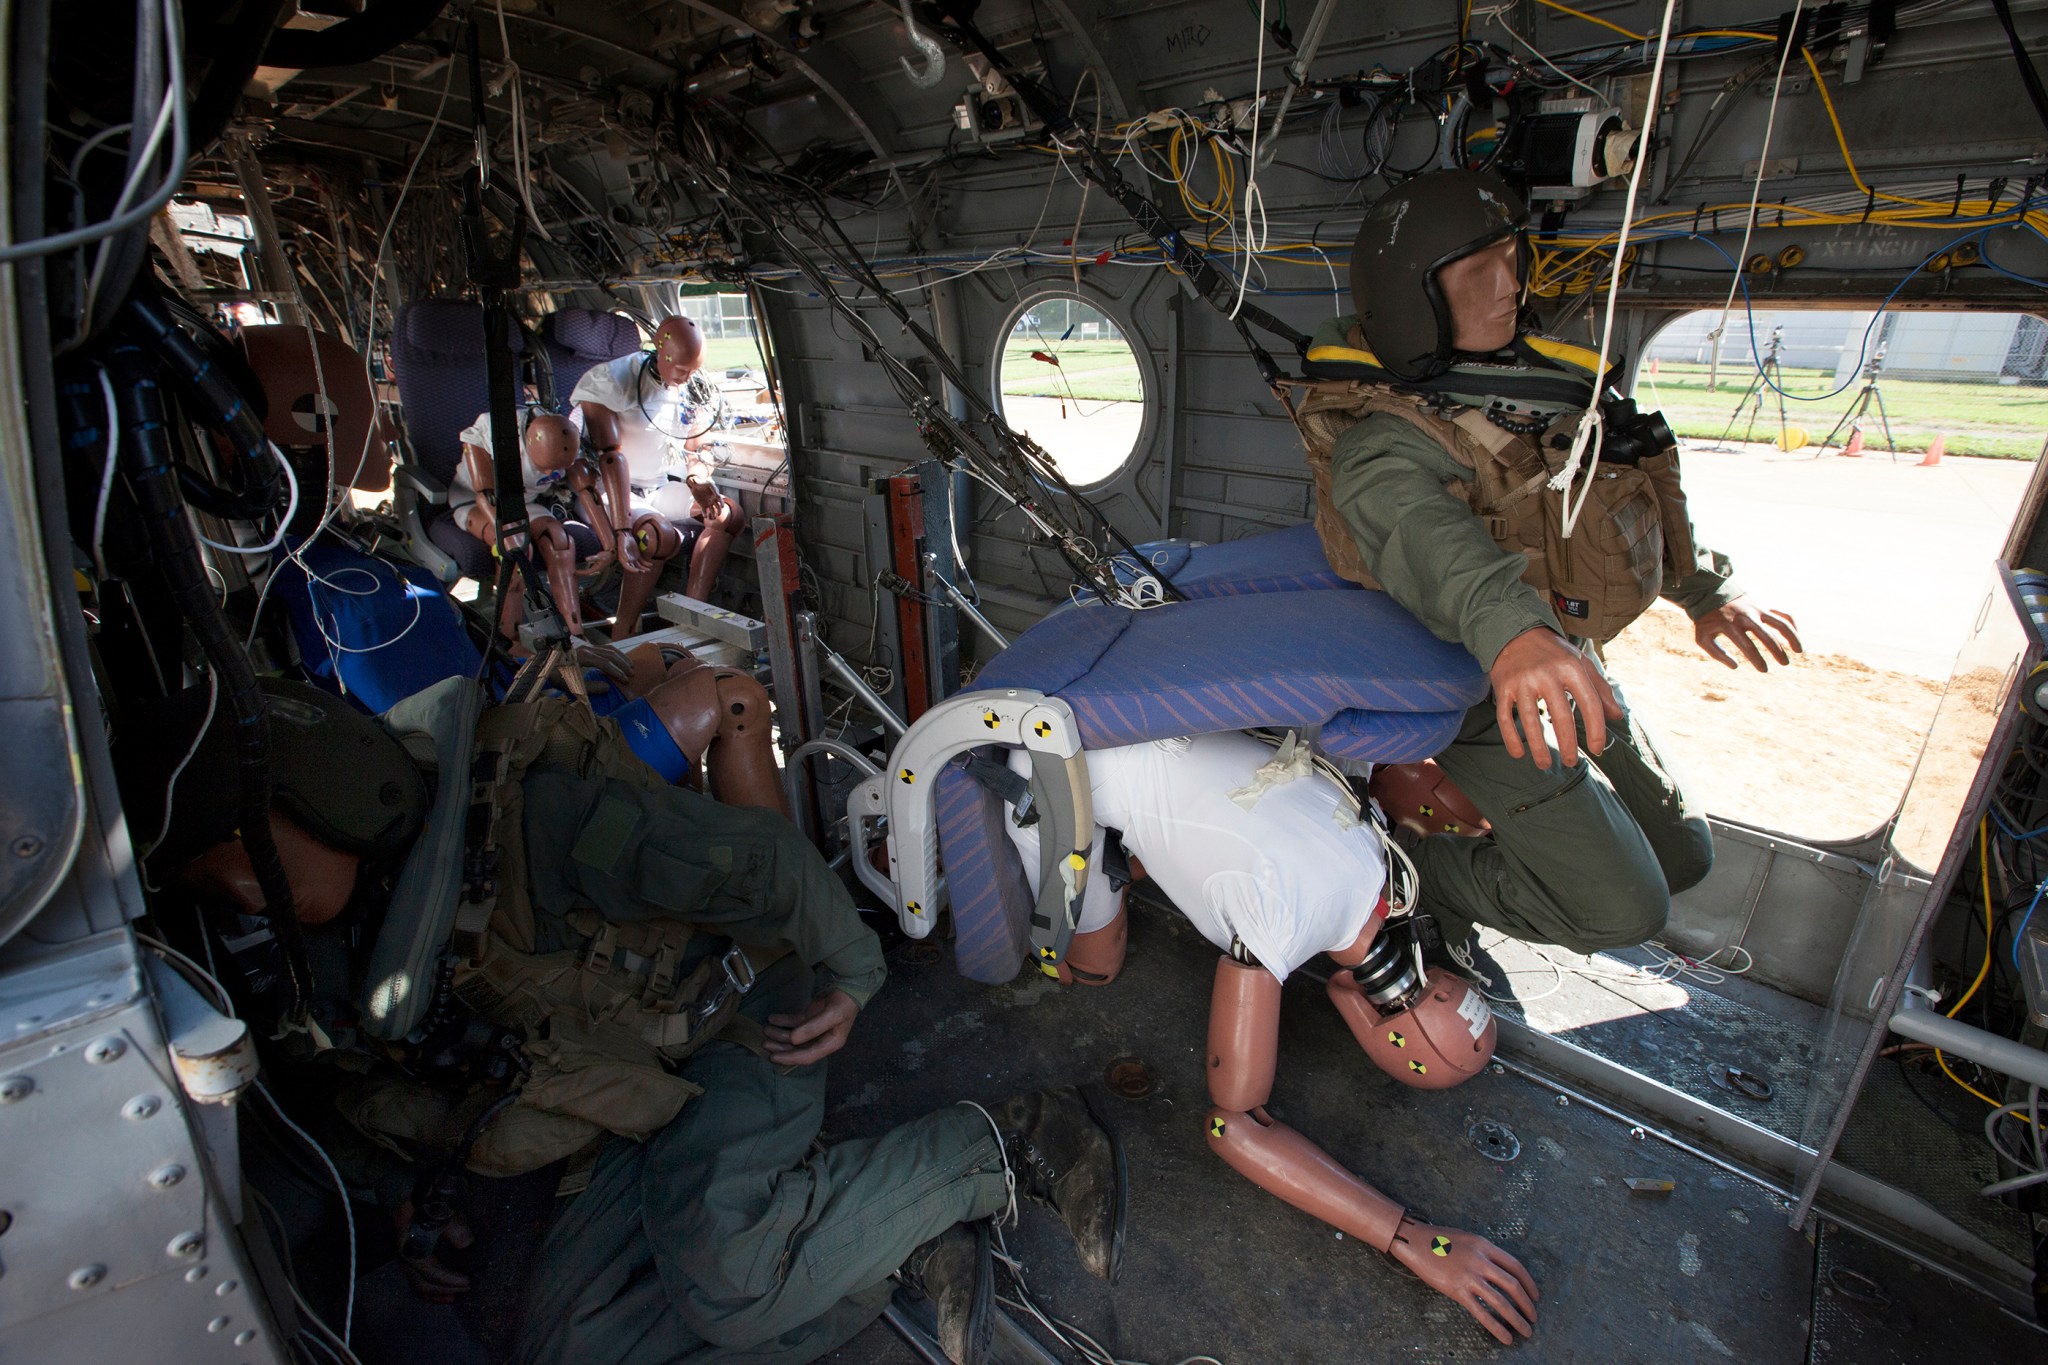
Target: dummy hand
point(814, 1035)
point(433, 1281)
point(1741, 622)
point(631, 557)
point(1540, 666)
point(604, 659)
point(596, 564)
point(1474, 1273)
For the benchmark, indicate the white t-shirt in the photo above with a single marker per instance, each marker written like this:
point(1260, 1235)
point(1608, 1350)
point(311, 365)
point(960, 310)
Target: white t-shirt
point(462, 491)
point(653, 418)
point(1291, 877)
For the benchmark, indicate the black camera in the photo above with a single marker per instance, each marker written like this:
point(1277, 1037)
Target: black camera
point(1629, 436)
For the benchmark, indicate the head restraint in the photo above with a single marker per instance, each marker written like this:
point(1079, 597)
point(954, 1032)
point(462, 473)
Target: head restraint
point(1410, 234)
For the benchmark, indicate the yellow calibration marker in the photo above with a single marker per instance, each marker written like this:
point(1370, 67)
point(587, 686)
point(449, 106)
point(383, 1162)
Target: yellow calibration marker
point(1216, 1127)
point(1440, 1246)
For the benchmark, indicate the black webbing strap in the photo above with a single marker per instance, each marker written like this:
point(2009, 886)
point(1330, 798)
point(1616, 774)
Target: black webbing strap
point(1006, 783)
point(494, 274)
point(1207, 282)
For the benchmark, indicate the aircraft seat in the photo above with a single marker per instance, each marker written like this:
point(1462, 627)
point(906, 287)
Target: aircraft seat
point(1261, 642)
point(575, 339)
point(437, 357)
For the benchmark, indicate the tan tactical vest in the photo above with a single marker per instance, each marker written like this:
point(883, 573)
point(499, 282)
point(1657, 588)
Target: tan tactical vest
point(602, 1024)
point(1633, 530)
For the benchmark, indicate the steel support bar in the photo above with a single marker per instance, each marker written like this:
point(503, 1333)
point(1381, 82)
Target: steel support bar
point(858, 685)
point(970, 611)
point(2002, 1055)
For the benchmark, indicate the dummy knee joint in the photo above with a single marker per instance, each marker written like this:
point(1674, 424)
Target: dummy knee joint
point(659, 540)
point(742, 704)
point(1095, 958)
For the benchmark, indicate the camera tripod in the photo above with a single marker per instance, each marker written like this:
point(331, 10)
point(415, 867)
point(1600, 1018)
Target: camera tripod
point(1753, 397)
point(1871, 393)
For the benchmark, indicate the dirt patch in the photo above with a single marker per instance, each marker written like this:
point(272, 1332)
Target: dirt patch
point(1820, 750)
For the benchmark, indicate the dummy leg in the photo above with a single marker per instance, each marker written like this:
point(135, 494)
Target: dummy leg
point(659, 542)
point(512, 606)
point(756, 1241)
point(719, 717)
point(708, 555)
point(1094, 958)
point(1568, 861)
point(558, 554)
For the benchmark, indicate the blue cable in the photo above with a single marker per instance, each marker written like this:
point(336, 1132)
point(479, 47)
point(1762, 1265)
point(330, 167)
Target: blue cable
point(2020, 932)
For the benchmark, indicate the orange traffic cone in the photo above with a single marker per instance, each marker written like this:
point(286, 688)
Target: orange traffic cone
point(1854, 450)
point(1935, 451)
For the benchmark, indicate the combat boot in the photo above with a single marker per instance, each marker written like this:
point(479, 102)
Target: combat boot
point(956, 1271)
point(1064, 1154)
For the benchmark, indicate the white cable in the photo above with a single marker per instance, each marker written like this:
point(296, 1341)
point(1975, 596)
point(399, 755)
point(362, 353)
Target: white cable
point(1495, 15)
point(172, 113)
point(1756, 190)
point(1008, 1217)
point(220, 992)
point(519, 153)
point(171, 787)
point(284, 522)
point(334, 1345)
point(1254, 200)
point(99, 510)
point(180, 150)
point(347, 1209)
point(1590, 422)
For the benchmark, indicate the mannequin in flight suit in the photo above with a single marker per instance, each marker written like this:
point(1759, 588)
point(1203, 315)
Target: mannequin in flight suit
point(637, 416)
point(1583, 854)
point(725, 1234)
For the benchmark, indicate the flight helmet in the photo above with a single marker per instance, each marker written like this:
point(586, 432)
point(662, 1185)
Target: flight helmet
point(1411, 233)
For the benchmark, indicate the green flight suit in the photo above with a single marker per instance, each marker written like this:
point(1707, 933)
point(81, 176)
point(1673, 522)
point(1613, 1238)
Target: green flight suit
point(725, 1237)
point(1587, 857)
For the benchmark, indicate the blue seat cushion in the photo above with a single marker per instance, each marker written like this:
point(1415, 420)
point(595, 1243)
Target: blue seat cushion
point(1289, 560)
point(373, 631)
point(577, 338)
point(1382, 689)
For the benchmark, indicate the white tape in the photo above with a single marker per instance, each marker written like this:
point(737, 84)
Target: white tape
point(1474, 1010)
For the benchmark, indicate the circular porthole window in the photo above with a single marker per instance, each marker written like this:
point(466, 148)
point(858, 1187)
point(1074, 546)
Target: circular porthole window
point(1068, 378)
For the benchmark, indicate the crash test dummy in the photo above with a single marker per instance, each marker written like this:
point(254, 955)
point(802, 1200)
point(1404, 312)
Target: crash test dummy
point(1435, 434)
point(550, 462)
point(639, 416)
point(1274, 862)
point(711, 1227)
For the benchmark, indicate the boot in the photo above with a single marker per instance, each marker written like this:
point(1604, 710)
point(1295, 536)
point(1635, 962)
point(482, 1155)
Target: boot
point(1064, 1155)
point(956, 1271)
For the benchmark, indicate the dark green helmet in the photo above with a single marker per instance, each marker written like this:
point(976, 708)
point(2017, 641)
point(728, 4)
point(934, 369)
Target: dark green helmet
point(1415, 230)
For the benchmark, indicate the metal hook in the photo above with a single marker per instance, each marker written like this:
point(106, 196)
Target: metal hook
point(934, 55)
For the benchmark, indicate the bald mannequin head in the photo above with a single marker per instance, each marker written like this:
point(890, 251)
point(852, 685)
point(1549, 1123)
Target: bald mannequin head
point(551, 442)
point(678, 350)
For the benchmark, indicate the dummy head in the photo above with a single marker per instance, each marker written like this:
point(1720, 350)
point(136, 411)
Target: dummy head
point(678, 350)
point(1436, 269)
point(551, 442)
point(322, 876)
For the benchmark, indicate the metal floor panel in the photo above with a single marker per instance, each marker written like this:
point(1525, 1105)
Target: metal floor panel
point(1674, 1032)
point(1709, 1272)
point(1871, 1306)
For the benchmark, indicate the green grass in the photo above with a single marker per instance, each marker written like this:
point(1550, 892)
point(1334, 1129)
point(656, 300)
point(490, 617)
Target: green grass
point(1994, 420)
point(730, 353)
point(1097, 370)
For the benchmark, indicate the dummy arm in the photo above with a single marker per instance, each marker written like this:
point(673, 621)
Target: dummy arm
point(601, 425)
point(1244, 1028)
point(582, 478)
point(481, 520)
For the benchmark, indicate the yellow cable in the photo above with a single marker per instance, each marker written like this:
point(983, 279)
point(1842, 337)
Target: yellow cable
point(1591, 19)
point(1984, 871)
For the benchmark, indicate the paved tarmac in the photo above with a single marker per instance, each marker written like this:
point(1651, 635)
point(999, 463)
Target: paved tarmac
point(1885, 562)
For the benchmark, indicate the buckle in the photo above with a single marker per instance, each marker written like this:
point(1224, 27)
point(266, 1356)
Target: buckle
point(739, 973)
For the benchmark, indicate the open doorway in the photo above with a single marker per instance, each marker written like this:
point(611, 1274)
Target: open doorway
point(1880, 547)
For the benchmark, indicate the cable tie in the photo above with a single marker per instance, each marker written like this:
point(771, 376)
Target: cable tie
point(1869, 203)
point(1957, 207)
